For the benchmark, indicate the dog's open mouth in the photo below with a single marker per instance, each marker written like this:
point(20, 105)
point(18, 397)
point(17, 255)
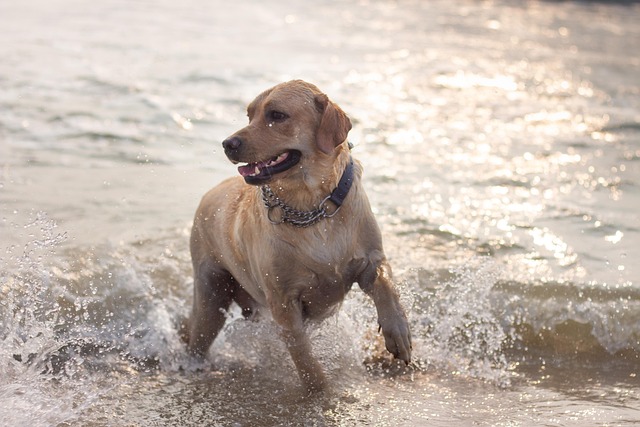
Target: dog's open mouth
point(260, 172)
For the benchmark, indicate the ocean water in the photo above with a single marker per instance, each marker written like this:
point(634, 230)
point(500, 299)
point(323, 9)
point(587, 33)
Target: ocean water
point(501, 146)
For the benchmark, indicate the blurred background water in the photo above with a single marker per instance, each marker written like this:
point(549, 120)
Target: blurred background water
point(501, 145)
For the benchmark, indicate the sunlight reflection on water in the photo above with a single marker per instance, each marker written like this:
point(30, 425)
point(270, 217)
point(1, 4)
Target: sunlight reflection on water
point(500, 149)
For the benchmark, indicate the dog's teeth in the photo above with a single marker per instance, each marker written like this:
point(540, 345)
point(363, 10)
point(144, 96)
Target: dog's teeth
point(275, 160)
point(256, 171)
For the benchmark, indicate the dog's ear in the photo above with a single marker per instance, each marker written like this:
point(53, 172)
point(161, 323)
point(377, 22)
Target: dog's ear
point(334, 124)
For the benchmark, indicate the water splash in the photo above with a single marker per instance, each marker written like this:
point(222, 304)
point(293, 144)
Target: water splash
point(28, 317)
point(28, 329)
point(459, 327)
point(68, 313)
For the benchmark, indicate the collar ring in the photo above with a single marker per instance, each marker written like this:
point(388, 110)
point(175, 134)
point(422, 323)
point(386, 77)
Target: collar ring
point(279, 218)
point(323, 208)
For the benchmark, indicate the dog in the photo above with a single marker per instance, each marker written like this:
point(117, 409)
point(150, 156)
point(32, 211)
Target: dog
point(292, 232)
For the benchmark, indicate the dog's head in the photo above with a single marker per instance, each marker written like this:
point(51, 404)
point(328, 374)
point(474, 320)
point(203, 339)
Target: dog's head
point(290, 125)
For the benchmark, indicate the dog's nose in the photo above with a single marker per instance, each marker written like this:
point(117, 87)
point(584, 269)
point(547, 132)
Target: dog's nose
point(231, 144)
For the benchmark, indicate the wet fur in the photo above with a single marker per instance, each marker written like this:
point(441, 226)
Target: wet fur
point(296, 273)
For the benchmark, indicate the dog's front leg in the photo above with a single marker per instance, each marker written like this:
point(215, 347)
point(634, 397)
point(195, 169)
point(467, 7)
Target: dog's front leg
point(376, 282)
point(288, 315)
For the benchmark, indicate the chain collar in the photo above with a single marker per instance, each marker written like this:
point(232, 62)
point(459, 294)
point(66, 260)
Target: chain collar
point(279, 212)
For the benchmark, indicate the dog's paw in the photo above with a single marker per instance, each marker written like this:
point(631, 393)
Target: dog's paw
point(397, 336)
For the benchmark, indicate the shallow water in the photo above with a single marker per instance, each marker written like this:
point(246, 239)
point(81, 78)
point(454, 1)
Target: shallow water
point(501, 144)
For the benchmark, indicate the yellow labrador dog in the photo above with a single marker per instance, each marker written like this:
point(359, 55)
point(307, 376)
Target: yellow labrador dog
point(293, 232)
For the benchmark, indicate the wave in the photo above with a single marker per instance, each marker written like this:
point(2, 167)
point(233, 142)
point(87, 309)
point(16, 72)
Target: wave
point(71, 310)
point(555, 318)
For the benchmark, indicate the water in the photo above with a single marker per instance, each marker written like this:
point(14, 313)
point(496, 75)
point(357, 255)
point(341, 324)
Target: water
point(501, 144)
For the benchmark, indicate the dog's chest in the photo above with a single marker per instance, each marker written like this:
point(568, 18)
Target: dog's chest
point(320, 275)
point(326, 252)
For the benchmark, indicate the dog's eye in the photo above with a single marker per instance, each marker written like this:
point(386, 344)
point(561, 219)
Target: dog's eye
point(277, 116)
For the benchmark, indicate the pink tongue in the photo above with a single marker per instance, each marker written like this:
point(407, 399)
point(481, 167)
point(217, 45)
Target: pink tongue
point(250, 169)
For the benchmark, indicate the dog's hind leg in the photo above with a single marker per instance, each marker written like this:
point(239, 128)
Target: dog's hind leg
point(213, 293)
